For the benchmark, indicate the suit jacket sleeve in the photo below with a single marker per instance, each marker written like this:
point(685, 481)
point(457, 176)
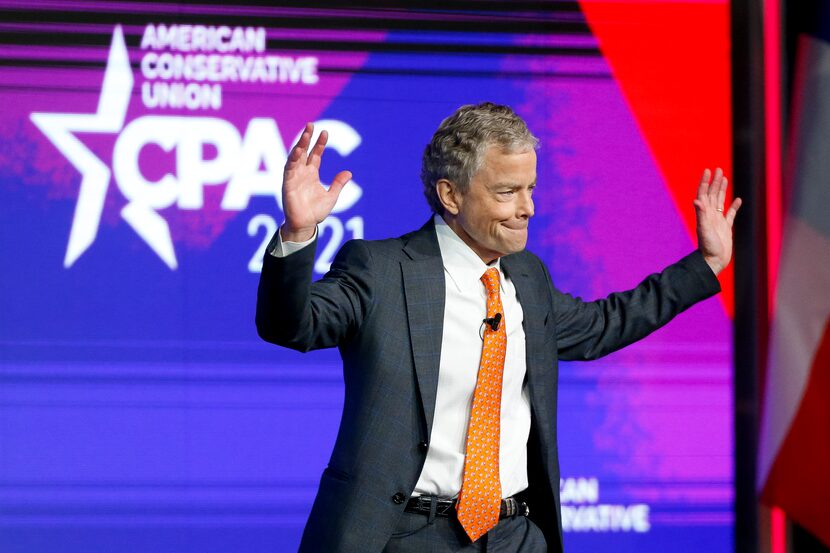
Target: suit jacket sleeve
point(588, 330)
point(294, 312)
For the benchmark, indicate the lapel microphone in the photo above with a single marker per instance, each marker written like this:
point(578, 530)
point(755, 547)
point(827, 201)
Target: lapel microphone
point(493, 321)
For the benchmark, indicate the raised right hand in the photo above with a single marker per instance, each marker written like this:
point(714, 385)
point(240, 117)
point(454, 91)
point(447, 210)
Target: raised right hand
point(305, 201)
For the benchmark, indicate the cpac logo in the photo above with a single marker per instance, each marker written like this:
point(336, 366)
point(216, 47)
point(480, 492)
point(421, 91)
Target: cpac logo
point(251, 165)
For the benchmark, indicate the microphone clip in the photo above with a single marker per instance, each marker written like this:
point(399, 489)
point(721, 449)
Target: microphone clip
point(493, 321)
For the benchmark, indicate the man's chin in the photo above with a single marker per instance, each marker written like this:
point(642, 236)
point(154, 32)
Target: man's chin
point(518, 241)
point(514, 247)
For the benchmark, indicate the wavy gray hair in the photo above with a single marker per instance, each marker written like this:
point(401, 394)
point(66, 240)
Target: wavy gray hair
point(457, 147)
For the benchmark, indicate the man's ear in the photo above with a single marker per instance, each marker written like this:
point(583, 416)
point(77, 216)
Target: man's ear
point(449, 196)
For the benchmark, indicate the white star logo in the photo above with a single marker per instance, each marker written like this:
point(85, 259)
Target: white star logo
point(60, 128)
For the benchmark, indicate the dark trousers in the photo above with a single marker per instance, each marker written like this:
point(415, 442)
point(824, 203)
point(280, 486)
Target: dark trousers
point(416, 533)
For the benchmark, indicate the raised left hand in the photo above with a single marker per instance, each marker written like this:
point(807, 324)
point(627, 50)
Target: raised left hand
point(714, 227)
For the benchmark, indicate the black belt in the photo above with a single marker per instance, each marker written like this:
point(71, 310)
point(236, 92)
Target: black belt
point(510, 507)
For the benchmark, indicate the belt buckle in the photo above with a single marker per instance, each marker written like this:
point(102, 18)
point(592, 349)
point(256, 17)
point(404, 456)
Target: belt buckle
point(444, 508)
point(510, 507)
point(513, 507)
point(426, 503)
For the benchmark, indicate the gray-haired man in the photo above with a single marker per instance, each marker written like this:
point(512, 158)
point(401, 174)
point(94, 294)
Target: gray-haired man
point(450, 337)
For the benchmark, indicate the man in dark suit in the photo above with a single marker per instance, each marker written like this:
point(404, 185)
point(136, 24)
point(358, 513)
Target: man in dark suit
point(450, 337)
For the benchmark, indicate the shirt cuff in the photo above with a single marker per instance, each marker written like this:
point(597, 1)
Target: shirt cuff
point(278, 248)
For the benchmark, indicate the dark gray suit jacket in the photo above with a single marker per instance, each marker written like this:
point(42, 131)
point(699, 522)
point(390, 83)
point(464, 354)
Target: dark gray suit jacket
point(382, 305)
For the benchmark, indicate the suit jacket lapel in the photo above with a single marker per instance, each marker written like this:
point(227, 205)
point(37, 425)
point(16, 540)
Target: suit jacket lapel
point(534, 326)
point(424, 288)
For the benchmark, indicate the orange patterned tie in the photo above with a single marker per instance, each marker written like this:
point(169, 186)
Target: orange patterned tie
point(480, 496)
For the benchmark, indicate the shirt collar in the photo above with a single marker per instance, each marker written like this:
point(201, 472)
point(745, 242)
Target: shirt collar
point(461, 263)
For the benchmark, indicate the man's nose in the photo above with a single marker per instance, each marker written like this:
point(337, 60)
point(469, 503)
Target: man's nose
point(525, 208)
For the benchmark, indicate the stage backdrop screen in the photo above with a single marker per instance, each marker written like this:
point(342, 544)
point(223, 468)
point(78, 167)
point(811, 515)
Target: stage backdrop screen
point(141, 155)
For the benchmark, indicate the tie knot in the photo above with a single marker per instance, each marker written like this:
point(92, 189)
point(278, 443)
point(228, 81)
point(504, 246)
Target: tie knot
point(490, 278)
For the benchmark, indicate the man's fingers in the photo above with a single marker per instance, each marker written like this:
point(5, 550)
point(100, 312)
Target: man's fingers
point(319, 147)
point(292, 161)
point(714, 188)
point(340, 180)
point(733, 210)
point(711, 192)
point(300, 151)
point(297, 155)
point(704, 184)
point(305, 137)
point(721, 200)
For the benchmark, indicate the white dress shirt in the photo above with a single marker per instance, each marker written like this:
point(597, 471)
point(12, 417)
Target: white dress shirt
point(464, 311)
point(461, 345)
